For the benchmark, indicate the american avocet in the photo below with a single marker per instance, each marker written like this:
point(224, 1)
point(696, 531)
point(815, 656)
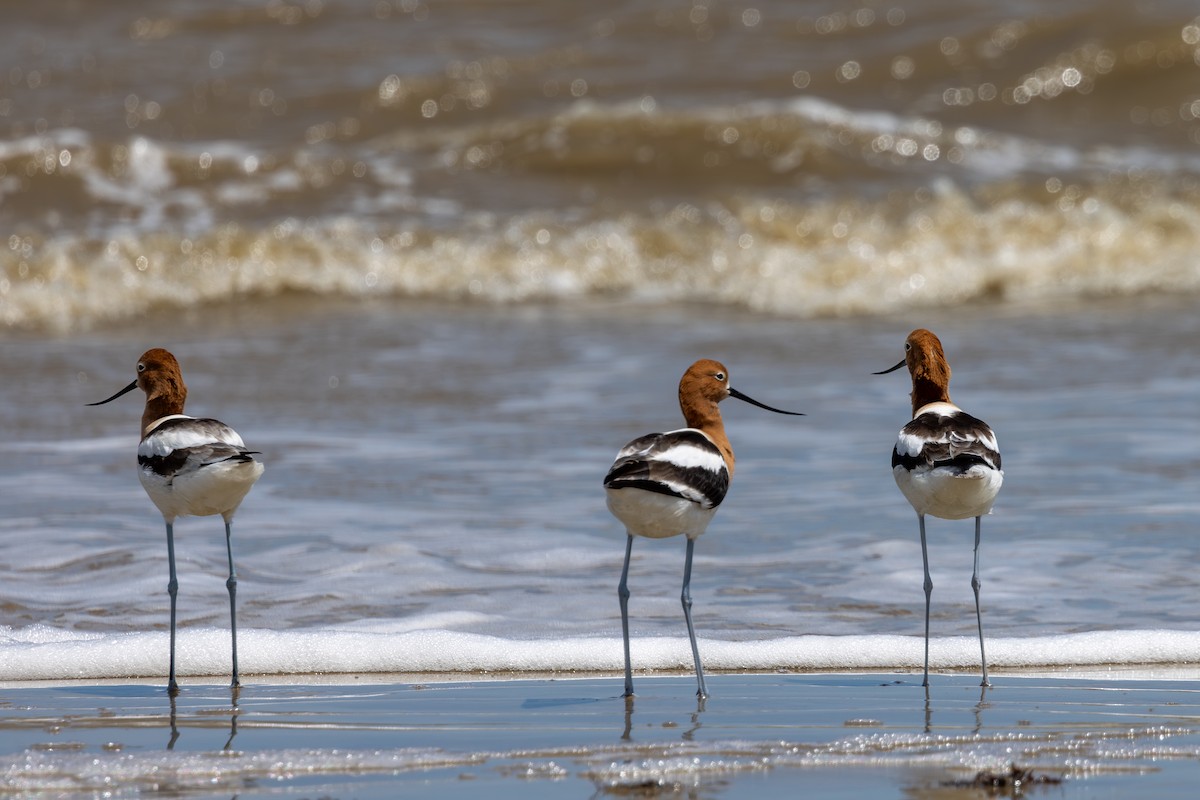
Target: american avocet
point(189, 467)
point(666, 484)
point(946, 462)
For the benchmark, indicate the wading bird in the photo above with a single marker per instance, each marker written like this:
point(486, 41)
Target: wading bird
point(189, 467)
point(667, 484)
point(945, 461)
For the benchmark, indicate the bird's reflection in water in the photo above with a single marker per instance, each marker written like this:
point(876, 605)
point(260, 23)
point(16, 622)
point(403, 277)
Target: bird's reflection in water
point(977, 710)
point(234, 712)
point(235, 692)
point(174, 721)
point(688, 735)
point(981, 705)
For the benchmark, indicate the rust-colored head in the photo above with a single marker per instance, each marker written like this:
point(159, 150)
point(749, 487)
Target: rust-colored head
point(927, 364)
point(705, 384)
point(159, 376)
point(706, 381)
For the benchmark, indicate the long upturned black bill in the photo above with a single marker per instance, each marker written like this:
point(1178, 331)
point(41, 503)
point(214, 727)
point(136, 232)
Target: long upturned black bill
point(893, 369)
point(735, 393)
point(127, 389)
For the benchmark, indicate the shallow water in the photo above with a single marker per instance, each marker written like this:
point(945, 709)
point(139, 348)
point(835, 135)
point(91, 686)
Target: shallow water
point(834, 735)
point(432, 498)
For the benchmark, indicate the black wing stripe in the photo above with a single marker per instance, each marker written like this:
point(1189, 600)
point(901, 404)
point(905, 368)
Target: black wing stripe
point(957, 441)
point(683, 464)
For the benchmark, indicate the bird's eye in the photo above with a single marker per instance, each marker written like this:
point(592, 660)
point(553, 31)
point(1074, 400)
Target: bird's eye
point(720, 376)
point(907, 346)
point(141, 367)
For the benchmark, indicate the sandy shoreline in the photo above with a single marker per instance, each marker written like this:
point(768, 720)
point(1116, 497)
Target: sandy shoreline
point(1093, 672)
point(834, 735)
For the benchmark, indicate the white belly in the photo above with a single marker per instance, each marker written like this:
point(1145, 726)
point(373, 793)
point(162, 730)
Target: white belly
point(658, 515)
point(214, 489)
point(949, 495)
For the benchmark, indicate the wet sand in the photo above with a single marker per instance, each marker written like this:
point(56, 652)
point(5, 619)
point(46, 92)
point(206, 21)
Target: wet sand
point(832, 735)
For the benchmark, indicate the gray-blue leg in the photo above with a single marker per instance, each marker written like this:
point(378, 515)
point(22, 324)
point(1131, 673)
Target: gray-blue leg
point(686, 598)
point(623, 596)
point(231, 584)
point(928, 593)
point(173, 591)
point(975, 584)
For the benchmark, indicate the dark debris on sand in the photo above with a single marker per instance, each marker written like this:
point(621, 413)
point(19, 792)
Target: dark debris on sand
point(1011, 782)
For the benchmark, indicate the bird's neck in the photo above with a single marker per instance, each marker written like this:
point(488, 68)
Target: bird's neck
point(704, 416)
point(159, 406)
point(926, 391)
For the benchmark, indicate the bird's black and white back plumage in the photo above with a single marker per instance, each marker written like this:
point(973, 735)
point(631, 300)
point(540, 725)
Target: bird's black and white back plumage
point(195, 467)
point(665, 484)
point(947, 463)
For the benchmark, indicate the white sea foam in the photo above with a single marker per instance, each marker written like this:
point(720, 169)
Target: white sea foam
point(867, 266)
point(42, 653)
